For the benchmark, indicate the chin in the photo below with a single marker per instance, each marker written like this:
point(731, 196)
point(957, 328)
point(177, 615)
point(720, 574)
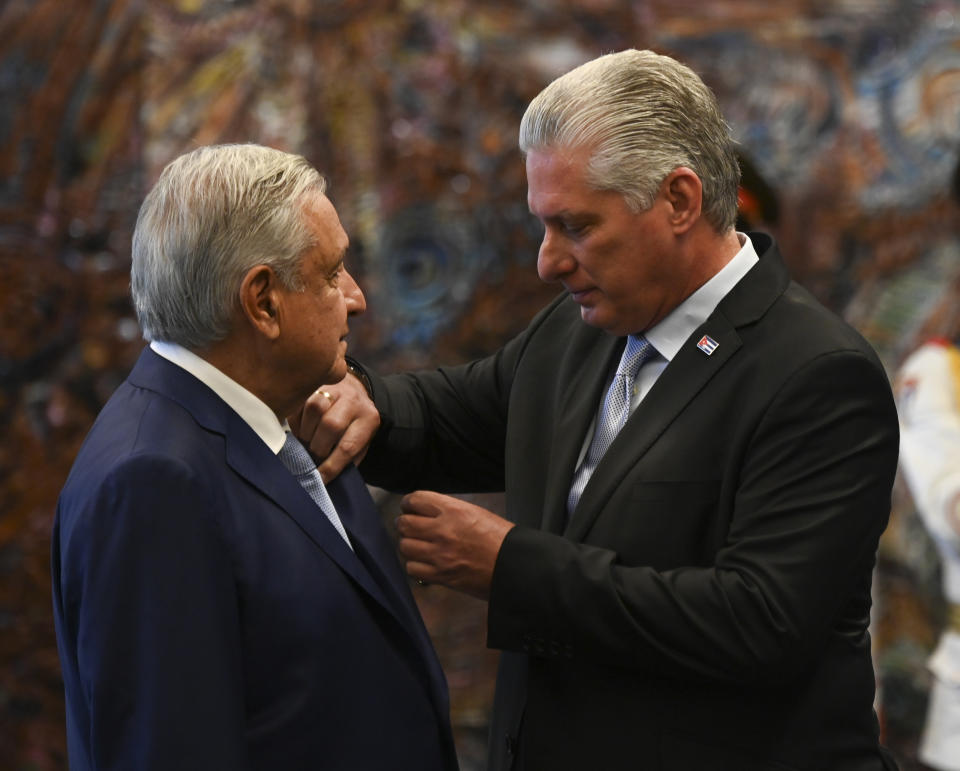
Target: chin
point(337, 372)
point(610, 326)
point(593, 318)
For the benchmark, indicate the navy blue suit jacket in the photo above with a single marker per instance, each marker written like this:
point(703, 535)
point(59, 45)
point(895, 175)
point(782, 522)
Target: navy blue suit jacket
point(209, 616)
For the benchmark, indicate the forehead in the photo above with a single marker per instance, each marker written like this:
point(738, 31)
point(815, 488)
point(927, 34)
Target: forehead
point(557, 184)
point(554, 174)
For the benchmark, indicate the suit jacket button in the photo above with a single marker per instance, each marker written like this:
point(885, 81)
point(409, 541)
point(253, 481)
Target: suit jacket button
point(510, 743)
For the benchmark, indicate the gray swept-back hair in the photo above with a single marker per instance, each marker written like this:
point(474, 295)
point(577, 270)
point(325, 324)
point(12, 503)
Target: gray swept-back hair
point(642, 115)
point(213, 214)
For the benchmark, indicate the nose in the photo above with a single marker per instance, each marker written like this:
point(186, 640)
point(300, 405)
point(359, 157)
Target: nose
point(553, 261)
point(356, 302)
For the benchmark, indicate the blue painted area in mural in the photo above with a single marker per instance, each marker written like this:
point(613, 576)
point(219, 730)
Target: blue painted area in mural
point(783, 105)
point(897, 91)
point(430, 261)
point(917, 99)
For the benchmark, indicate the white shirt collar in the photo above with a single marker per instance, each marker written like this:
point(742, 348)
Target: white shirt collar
point(249, 407)
point(675, 328)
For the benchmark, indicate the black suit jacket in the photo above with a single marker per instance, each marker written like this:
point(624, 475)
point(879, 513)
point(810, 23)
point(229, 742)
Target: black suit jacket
point(209, 616)
point(707, 604)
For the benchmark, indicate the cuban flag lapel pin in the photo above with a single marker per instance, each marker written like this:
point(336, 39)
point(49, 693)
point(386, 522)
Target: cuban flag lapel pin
point(707, 344)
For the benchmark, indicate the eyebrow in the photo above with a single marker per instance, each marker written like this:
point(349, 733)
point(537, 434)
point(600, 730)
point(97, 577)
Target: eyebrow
point(568, 215)
point(565, 212)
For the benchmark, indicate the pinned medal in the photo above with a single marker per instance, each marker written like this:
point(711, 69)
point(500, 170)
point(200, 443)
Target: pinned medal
point(707, 344)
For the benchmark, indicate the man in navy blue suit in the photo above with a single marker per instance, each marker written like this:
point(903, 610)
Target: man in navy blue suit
point(213, 610)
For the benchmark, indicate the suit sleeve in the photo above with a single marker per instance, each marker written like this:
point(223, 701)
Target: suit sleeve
point(154, 609)
point(811, 499)
point(445, 430)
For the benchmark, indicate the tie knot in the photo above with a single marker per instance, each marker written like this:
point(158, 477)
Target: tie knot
point(638, 350)
point(295, 457)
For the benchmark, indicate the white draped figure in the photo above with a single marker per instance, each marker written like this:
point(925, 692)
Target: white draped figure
point(928, 399)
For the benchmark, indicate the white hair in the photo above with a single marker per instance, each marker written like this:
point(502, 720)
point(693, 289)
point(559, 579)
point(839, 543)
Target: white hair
point(642, 115)
point(213, 214)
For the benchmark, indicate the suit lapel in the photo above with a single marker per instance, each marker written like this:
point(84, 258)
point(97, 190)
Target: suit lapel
point(248, 456)
point(583, 372)
point(362, 519)
point(261, 468)
point(363, 522)
point(685, 376)
point(368, 563)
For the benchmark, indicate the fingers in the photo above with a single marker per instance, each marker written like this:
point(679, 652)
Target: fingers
point(426, 503)
point(337, 424)
point(448, 541)
point(422, 544)
point(414, 527)
point(423, 573)
point(312, 413)
point(341, 456)
point(419, 528)
point(421, 563)
point(421, 552)
point(352, 433)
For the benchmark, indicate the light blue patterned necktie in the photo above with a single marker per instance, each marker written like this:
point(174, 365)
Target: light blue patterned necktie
point(616, 410)
point(295, 457)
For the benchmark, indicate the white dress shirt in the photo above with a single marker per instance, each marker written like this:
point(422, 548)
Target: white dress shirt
point(251, 408)
point(672, 331)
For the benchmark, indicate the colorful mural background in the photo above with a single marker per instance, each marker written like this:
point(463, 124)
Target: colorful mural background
point(848, 110)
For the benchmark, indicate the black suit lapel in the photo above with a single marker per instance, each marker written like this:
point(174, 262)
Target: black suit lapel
point(685, 376)
point(583, 374)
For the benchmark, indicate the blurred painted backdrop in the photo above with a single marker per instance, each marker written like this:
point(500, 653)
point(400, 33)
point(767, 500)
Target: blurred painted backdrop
point(848, 113)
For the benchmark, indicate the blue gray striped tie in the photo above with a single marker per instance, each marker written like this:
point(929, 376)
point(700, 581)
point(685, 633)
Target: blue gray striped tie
point(616, 410)
point(295, 457)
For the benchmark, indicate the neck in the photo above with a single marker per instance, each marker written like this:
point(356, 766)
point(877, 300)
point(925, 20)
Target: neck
point(240, 360)
point(708, 253)
point(718, 250)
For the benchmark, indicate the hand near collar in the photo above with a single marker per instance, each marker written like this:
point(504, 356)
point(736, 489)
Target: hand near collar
point(337, 424)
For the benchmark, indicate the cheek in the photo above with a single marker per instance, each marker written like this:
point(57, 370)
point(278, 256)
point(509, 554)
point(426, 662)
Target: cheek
point(331, 304)
point(604, 270)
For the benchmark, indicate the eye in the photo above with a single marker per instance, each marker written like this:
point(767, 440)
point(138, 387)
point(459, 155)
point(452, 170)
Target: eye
point(333, 277)
point(575, 228)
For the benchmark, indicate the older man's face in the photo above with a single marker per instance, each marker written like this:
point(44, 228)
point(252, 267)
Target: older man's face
point(620, 266)
point(315, 328)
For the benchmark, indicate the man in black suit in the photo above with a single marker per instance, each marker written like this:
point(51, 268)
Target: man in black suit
point(217, 606)
point(697, 460)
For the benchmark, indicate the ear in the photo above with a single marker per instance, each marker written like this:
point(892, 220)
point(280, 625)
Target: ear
point(683, 191)
point(260, 300)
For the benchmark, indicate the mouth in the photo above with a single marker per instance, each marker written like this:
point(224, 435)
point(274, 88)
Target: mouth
point(580, 295)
